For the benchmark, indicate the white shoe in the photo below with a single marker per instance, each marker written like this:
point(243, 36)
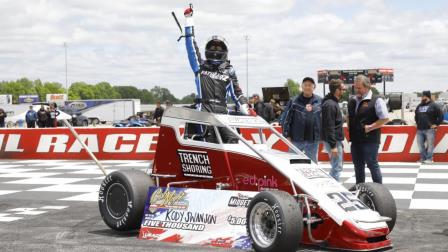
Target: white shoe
point(428, 161)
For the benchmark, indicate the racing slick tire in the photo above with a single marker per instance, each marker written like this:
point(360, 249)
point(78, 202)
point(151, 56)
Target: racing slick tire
point(274, 222)
point(378, 198)
point(122, 199)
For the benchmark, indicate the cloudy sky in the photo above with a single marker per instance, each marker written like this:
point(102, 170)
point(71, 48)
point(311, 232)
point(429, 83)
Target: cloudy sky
point(133, 42)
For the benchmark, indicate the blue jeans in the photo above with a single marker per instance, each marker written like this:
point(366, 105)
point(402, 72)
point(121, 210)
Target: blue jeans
point(362, 154)
point(426, 152)
point(309, 148)
point(335, 161)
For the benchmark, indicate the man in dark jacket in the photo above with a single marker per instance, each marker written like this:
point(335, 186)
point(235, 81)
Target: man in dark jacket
point(158, 113)
point(265, 110)
point(302, 124)
point(332, 130)
point(42, 117)
point(31, 118)
point(428, 116)
point(2, 118)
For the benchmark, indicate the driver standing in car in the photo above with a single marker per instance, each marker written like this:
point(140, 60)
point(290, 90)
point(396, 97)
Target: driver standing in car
point(215, 77)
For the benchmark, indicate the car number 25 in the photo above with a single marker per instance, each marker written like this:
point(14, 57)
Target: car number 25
point(347, 201)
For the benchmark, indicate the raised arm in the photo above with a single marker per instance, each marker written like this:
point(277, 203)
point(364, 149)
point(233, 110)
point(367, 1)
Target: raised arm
point(194, 57)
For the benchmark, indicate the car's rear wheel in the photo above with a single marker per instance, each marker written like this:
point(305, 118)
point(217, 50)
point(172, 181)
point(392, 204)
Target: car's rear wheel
point(122, 198)
point(378, 198)
point(274, 222)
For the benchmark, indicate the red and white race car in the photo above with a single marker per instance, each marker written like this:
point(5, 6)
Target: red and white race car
point(297, 202)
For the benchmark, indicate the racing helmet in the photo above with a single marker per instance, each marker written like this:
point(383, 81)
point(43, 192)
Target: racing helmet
point(216, 50)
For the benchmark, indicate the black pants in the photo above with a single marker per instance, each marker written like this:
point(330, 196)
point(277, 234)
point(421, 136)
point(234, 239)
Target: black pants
point(31, 124)
point(362, 154)
point(51, 123)
point(41, 124)
point(2, 124)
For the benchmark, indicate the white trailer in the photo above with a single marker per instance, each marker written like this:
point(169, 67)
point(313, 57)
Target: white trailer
point(105, 110)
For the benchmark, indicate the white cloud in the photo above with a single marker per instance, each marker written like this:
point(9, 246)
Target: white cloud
point(134, 42)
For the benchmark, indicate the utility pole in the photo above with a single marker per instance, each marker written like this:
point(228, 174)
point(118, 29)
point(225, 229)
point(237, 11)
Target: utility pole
point(66, 78)
point(246, 37)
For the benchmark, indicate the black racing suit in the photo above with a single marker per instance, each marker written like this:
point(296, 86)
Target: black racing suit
point(214, 84)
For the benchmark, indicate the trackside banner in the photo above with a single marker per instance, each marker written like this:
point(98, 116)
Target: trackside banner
point(181, 215)
point(398, 143)
point(59, 143)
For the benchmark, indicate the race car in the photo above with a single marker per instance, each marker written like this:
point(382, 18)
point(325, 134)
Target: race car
point(295, 202)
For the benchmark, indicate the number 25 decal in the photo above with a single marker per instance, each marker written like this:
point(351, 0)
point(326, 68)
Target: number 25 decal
point(347, 201)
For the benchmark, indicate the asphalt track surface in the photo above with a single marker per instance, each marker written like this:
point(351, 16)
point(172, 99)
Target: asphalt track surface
point(56, 221)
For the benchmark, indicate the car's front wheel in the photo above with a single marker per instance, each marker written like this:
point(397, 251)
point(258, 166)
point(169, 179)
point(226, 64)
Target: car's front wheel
point(274, 222)
point(378, 198)
point(122, 198)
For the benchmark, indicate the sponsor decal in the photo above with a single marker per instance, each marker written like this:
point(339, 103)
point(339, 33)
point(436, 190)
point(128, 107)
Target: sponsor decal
point(77, 105)
point(326, 184)
point(215, 75)
point(277, 216)
point(195, 164)
point(165, 198)
point(125, 217)
point(312, 173)
point(261, 183)
point(245, 120)
point(174, 225)
point(102, 191)
point(184, 220)
point(28, 98)
point(190, 217)
point(202, 223)
point(235, 220)
point(240, 200)
point(150, 234)
point(56, 97)
point(222, 242)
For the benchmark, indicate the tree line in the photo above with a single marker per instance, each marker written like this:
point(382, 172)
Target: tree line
point(104, 90)
point(84, 91)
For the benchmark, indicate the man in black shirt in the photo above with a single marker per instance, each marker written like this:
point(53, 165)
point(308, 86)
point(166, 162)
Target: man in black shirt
point(158, 113)
point(42, 117)
point(2, 118)
point(332, 130)
point(265, 110)
point(428, 116)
